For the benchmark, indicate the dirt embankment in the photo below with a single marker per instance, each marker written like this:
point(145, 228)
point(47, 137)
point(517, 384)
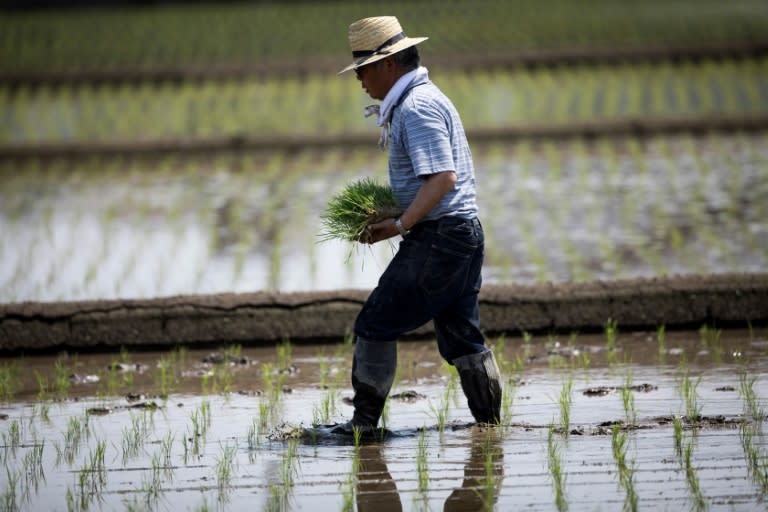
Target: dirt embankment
point(635, 127)
point(675, 302)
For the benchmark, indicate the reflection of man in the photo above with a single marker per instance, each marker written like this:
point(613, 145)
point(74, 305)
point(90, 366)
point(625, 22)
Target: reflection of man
point(376, 491)
point(483, 475)
point(435, 274)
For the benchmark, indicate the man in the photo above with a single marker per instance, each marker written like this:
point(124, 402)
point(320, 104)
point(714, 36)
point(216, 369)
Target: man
point(435, 274)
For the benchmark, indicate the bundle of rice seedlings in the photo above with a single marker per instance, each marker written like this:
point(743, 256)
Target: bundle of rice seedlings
point(359, 204)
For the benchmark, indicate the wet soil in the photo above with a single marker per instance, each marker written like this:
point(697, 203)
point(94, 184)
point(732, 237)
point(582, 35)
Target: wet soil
point(267, 318)
point(200, 450)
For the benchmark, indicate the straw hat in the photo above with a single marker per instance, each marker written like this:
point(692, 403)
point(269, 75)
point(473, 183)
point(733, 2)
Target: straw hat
point(377, 38)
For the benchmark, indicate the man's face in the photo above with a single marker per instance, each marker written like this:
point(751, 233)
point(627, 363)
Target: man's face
point(375, 78)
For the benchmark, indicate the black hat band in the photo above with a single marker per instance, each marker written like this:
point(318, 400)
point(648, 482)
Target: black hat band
point(388, 42)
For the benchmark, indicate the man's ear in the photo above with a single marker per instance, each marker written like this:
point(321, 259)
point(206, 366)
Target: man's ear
point(389, 63)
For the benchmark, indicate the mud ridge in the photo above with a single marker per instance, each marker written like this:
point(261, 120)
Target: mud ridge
point(635, 127)
point(267, 318)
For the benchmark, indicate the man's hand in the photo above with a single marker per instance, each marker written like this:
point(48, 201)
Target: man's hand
point(380, 231)
point(430, 193)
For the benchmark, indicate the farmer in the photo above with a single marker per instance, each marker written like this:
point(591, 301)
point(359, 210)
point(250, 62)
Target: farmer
point(435, 274)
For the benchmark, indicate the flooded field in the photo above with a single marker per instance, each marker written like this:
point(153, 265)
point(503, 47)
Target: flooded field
point(578, 210)
point(649, 420)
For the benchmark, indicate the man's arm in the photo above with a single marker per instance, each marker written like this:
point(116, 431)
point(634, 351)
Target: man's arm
point(430, 193)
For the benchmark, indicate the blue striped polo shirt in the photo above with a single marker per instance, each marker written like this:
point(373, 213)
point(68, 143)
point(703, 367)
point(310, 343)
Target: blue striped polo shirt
point(426, 137)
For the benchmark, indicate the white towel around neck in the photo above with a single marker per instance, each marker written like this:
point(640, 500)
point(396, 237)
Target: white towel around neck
point(384, 110)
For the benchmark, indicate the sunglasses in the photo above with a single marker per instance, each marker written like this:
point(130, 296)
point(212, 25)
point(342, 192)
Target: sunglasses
point(359, 71)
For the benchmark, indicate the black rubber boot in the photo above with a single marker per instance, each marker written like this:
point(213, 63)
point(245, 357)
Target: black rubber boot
point(481, 383)
point(373, 371)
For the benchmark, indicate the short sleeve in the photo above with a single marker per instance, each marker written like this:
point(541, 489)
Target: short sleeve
point(427, 140)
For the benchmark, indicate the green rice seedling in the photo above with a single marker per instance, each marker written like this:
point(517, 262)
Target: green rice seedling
point(9, 500)
point(327, 406)
point(660, 339)
point(92, 476)
point(224, 467)
point(757, 462)
point(253, 435)
point(421, 463)
point(264, 415)
point(61, 382)
point(357, 437)
point(677, 426)
point(710, 340)
point(507, 400)
point(166, 449)
point(691, 476)
point(349, 485)
point(201, 421)
point(752, 406)
point(42, 406)
point(152, 484)
point(626, 469)
point(491, 456)
point(690, 397)
point(611, 335)
point(222, 375)
point(359, 204)
point(565, 400)
point(76, 431)
point(280, 493)
point(498, 352)
point(284, 350)
point(10, 374)
point(12, 439)
point(384, 421)
point(440, 413)
point(33, 468)
point(628, 400)
point(165, 375)
point(555, 466)
point(134, 436)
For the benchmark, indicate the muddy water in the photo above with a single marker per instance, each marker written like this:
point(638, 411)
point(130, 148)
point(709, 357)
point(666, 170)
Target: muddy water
point(198, 451)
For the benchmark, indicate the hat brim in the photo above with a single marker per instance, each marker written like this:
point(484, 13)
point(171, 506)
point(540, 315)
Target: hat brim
point(384, 53)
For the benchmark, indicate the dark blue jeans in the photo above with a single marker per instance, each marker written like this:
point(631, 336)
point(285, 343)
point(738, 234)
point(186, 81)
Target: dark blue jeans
point(435, 275)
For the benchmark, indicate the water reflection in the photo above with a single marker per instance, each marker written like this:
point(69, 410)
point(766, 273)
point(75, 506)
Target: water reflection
point(376, 490)
point(483, 477)
point(483, 474)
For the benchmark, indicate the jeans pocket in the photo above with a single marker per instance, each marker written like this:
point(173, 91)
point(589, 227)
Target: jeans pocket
point(446, 265)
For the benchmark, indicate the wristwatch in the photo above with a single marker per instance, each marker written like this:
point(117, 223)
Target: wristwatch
point(399, 225)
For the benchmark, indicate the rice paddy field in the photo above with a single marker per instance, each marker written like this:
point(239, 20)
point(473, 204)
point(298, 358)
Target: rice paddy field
point(107, 192)
point(576, 210)
point(251, 34)
point(329, 105)
point(623, 420)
